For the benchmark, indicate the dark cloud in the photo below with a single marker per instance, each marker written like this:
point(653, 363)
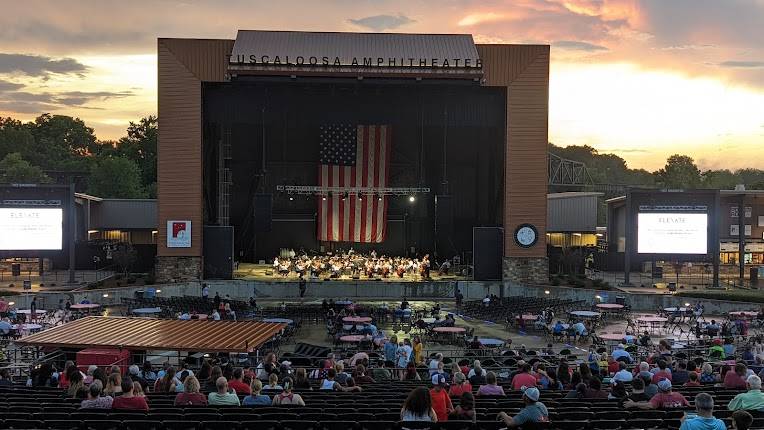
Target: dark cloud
point(38, 65)
point(26, 102)
point(382, 22)
point(9, 86)
point(742, 64)
point(574, 45)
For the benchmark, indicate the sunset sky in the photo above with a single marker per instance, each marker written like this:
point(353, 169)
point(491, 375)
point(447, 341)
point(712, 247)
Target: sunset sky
point(641, 79)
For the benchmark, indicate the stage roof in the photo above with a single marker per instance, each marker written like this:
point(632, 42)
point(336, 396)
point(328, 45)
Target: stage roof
point(157, 334)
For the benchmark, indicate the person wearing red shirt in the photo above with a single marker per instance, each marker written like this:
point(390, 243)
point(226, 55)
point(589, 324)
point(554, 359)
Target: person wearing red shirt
point(461, 385)
point(736, 379)
point(441, 402)
point(128, 400)
point(237, 384)
point(524, 378)
point(662, 372)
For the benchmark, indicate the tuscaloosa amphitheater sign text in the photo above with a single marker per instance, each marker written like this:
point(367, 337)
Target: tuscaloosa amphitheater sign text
point(276, 60)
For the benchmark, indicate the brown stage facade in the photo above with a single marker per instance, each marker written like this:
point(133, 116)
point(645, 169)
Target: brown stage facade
point(187, 66)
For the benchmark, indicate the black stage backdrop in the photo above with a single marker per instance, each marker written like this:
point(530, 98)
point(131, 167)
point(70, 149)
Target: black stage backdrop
point(246, 120)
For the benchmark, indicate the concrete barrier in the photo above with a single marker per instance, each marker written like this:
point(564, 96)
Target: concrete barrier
point(390, 291)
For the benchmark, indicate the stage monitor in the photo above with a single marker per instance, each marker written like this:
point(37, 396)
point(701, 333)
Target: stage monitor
point(672, 233)
point(31, 229)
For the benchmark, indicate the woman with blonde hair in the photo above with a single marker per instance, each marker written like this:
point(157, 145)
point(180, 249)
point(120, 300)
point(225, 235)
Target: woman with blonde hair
point(191, 395)
point(138, 390)
point(273, 383)
point(461, 385)
point(113, 385)
point(256, 399)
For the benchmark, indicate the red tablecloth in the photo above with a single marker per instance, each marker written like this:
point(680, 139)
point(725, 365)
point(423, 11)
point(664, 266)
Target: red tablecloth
point(449, 329)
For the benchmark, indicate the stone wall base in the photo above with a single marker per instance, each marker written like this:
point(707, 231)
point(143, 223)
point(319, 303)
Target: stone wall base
point(178, 269)
point(526, 270)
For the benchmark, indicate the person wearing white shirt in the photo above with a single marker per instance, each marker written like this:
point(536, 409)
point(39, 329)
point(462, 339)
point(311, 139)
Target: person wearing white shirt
point(216, 315)
point(434, 364)
point(622, 374)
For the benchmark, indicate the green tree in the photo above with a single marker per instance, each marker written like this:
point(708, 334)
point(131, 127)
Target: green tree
point(61, 143)
point(680, 171)
point(15, 170)
point(116, 177)
point(140, 145)
point(721, 179)
point(14, 137)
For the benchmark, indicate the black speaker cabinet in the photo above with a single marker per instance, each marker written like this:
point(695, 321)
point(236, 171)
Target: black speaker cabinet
point(488, 250)
point(263, 212)
point(218, 252)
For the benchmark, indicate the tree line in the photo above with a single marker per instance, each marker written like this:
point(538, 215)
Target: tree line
point(679, 171)
point(54, 146)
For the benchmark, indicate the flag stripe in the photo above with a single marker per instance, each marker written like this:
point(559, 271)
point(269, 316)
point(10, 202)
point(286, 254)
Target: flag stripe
point(357, 158)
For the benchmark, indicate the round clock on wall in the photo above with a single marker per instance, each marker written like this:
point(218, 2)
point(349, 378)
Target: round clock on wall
point(526, 235)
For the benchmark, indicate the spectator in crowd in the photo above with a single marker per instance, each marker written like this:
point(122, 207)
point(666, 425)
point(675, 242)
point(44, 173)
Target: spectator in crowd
point(286, 397)
point(95, 400)
point(490, 388)
point(736, 379)
point(693, 381)
point(168, 383)
point(223, 396)
point(618, 392)
point(138, 390)
point(329, 384)
point(716, 350)
point(5, 379)
point(411, 374)
point(147, 372)
point(729, 347)
point(273, 383)
point(403, 353)
point(128, 400)
point(342, 376)
point(190, 395)
point(135, 374)
point(301, 380)
point(665, 399)
point(434, 362)
point(77, 389)
point(466, 409)
point(460, 385)
point(523, 378)
point(238, 385)
point(418, 406)
point(391, 349)
point(638, 391)
point(620, 354)
point(741, 420)
point(662, 373)
point(477, 374)
point(704, 420)
point(418, 349)
point(751, 400)
point(113, 385)
point(533, 412)
point(441, 402)
point(210, 383)
point(360, 375)
point(594, 391)
point(622, 375)
point(680, 376)
point(255, 398)
point(707, 375)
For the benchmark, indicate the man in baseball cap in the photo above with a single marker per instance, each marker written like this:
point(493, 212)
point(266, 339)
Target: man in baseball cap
point(441, 402)
point(665, 399)
point(533, 412)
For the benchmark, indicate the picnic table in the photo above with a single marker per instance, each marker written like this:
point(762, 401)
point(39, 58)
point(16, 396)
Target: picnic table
point(85, 306)
point(147, 311)
point(279, 320)
point(609, 306)
point(586, 314)
point(356, 320)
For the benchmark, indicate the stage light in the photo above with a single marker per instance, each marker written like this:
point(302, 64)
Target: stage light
point(105, 295)
point(159, 291)
point(291, 199)
point(546, 291)
point(379, 198)
point(323, 198)
point(11, 303)
point(598, 297)
point(344, 196)
point(412, 199)
point(686, 304)
point(360, 198)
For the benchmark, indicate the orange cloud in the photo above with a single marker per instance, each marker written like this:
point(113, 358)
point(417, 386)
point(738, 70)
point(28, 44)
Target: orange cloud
point(479, 18)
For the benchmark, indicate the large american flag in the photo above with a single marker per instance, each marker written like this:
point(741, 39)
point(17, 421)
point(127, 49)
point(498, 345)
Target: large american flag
point(353, 156)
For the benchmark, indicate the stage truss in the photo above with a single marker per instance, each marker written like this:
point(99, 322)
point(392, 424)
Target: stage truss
point(314, 190)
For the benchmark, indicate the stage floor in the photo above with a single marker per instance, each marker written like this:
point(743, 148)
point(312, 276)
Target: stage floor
point(264, 272)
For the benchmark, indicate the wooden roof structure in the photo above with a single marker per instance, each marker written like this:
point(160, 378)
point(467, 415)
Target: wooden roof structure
point(157, 334)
